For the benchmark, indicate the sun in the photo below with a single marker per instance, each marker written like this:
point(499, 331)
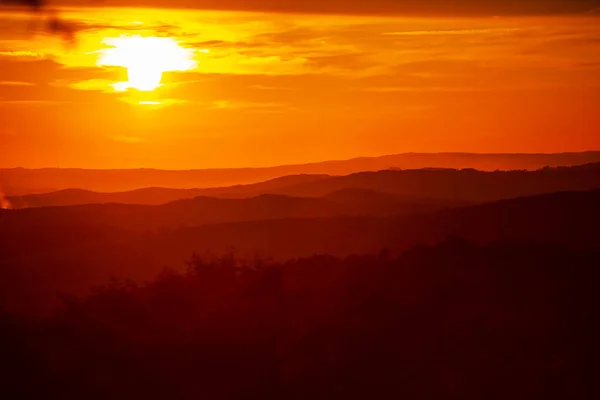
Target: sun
point(146, 59)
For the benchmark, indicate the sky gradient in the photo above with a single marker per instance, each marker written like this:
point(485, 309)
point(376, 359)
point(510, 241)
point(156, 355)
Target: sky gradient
point(282, 88)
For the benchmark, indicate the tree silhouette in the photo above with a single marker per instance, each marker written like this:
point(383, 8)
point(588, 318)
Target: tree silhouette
point(454, 320)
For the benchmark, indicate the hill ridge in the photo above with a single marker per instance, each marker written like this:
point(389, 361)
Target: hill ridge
point(22, 181)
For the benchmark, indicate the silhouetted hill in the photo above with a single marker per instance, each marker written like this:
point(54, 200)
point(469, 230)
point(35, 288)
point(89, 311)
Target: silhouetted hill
point(568, 218)
point(68, 249)
point(454, 186)
point(457, 185)
point(70, 197)
point(154, 195)
point(372, 197)
point(211, 210)
point(267, 187)
point(18, 181)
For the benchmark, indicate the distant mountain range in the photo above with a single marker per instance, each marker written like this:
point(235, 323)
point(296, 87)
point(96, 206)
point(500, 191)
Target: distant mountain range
point(384, 188)
point(156, 195)
point(18, 181)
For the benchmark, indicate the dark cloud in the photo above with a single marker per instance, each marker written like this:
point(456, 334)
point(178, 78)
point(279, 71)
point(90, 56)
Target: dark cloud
point(46, 81)
point(489, 7)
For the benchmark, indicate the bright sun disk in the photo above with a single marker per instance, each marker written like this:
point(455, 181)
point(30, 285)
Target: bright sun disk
point(146, 59)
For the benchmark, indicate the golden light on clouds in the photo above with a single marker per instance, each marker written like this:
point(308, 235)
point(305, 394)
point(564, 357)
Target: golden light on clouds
point(229, 88)
point(146, 59)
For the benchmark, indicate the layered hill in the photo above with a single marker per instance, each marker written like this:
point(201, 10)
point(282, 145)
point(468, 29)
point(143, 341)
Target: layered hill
point(211, 210)
point(458, 185)
point(156, 195)
point(18, 181)
point(43, 254)
point(416, 186)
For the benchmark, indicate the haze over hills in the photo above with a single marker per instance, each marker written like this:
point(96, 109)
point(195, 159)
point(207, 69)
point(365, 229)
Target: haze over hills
point(68, 254)
point(447, 186)
point(67, 249)
point(18, 181)
point(156, 195)
point(210, 210)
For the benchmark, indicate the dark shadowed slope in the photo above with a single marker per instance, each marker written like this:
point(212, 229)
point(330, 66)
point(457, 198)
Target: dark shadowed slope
point(509, 320)
point(211, 210)
point(567, 218)
point(22, 181)
point(39, 259)
point(368, 197)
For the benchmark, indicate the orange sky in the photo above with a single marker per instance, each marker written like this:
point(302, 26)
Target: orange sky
point(288, 88)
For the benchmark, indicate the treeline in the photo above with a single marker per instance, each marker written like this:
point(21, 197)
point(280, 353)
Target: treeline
point(452, 321)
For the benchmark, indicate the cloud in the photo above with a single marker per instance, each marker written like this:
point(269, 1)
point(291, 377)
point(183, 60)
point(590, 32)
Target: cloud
point(150, 100)
point(151, 103)
point(270, 54)
point(459, 89)
point(21, 54)
point(590, 65)
point(453, 32)
point(32, 102)
point(423, 89)
point(265, 87)
point(100, 85)
point(433, 75)
point(15, 83)
point(261, 107)
point(387, 7)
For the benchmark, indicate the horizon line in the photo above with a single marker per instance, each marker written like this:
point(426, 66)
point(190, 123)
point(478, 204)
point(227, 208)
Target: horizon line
point(304, 163)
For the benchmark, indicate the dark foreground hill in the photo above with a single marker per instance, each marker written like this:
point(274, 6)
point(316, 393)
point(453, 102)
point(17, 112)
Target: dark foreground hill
point(39, 259)
point(450, 184)
point(569, 218)
point(18, 181)
point(453, 321)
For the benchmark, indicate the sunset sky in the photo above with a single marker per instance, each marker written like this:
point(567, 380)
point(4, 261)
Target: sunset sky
point(310, 81)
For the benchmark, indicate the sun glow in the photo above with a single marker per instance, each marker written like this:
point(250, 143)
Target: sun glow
point(146, 59)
